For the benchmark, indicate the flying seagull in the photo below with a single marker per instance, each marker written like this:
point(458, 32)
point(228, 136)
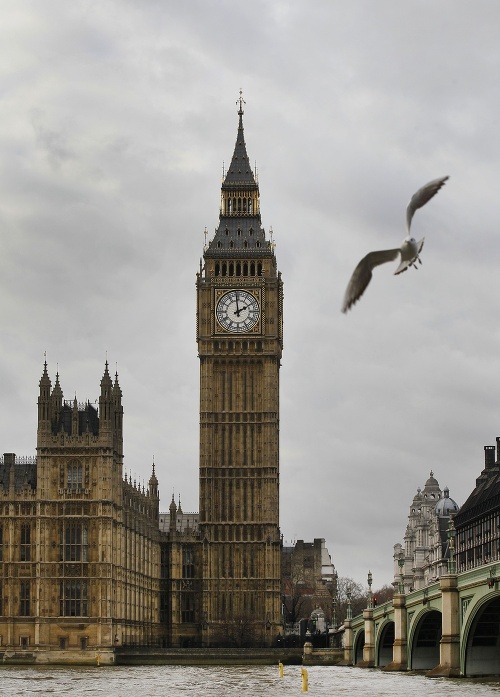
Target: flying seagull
point(409, 250)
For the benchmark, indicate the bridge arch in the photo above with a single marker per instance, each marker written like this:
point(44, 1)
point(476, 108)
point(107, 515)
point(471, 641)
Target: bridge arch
point(424, 645)
point(359, 643)
point(385, 644)
point(481, 639)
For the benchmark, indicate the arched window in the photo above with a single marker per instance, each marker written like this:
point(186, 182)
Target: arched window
point(74, 475)
point(230, 206)
point(250, 206)
point(238, 269)
point(231, 267)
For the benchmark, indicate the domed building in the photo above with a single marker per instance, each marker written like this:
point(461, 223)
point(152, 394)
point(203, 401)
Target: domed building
point(422, 558)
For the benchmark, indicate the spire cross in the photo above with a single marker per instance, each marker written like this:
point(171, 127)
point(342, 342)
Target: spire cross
point(240, 101)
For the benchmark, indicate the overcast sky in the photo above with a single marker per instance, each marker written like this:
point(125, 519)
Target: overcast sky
point(116, 118)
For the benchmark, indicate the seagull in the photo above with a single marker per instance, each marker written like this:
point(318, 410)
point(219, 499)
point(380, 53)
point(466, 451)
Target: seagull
point(409, 250)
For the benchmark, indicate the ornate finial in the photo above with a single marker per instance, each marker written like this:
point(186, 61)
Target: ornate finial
point(240, 101)
point(205, 232)
point(273, 243)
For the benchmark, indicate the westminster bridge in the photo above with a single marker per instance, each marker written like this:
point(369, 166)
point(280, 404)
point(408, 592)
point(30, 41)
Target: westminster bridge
point(450, 628)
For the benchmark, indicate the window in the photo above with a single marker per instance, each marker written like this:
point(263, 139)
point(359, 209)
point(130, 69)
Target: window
point(24, 598)
point(63, 642)
point(73, 600)
point(1, 543)
point(84, 642)
point(75, 476)
point(24, 642)
point(187, 563)
point(25, 548)
point(187, 607)
point(73, 541)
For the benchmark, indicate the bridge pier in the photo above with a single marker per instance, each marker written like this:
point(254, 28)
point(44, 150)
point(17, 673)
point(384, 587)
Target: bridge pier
point(449, 649)
point(400, 648)
point(369, 646)
point(348, 643)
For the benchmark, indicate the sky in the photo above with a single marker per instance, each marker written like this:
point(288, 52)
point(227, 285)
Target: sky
point(118, 117)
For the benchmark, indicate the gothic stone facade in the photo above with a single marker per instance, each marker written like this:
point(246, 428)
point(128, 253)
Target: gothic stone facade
point(240, 339)
point(79, 544)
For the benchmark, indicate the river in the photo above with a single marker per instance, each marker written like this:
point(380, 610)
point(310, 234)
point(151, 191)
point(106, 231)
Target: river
point(230, 681)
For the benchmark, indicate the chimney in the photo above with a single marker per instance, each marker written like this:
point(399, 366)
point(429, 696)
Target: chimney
point(489, 455)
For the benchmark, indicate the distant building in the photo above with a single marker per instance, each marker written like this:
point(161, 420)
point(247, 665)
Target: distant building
point(422, 558)
point(309, 581)
point(477, 524)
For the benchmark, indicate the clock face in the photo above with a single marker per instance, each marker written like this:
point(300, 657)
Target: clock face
point(238, 311)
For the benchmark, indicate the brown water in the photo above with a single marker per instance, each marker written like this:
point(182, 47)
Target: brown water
point(224, 681)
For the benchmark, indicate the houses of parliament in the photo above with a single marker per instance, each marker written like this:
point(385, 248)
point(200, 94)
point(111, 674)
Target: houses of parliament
point(87, 563)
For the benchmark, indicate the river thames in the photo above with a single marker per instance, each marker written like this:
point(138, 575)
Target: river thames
point(238, 681)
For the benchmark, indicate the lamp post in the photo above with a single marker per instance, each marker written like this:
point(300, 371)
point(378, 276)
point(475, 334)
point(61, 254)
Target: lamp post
point(370, 595)
point(401, 563)
point(349, 609)
point(452, 569)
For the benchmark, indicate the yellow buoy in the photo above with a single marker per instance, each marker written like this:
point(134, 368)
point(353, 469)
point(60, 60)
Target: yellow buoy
point(281, 669)
point(305, 679)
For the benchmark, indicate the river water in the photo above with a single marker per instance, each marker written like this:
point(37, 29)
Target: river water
point(230, 681)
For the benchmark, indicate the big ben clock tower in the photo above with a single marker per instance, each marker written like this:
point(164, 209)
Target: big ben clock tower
point(240, 340)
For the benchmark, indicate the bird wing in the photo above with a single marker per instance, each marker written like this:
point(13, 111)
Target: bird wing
point(362, 275)
point(422, 196)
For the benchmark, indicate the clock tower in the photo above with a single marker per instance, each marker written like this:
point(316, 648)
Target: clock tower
point(240, 340)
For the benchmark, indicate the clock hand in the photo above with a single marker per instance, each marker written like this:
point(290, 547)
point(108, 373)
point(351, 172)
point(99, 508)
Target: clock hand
point(237, 311)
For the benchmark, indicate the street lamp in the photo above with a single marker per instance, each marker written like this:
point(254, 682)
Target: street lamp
point(401, 563)
point(370, 596)
point(349, 608)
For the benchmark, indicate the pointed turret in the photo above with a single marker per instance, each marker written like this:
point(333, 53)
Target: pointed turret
point(56, 399)
point(173, 515)
point(240, 232)
point(105, 400)
point(44, 400)
point(153, 484)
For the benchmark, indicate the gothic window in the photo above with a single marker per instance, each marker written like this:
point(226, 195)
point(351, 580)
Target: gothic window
point(74, 475)
point(25, 546)
point(187, 607)
point(1, 545)
point(73, 598)
point(250, 206)
point(230, 206)
point(73, 541)
point(24, 598)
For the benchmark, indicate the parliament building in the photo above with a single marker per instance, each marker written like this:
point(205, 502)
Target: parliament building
point(87, 563)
